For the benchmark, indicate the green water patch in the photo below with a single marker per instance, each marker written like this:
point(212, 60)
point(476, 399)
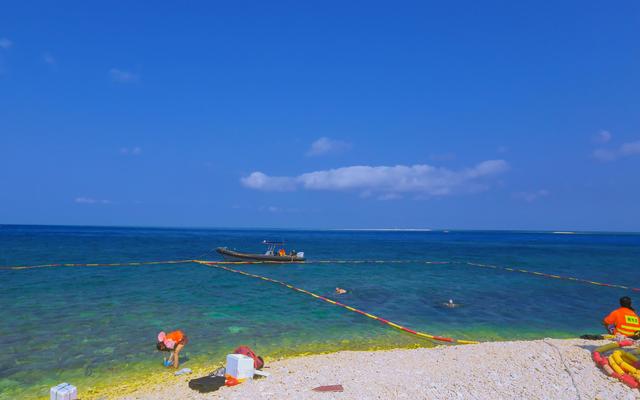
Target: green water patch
point(121, 376)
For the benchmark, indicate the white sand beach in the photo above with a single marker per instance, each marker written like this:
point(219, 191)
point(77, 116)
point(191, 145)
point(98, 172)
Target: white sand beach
point(540, 369)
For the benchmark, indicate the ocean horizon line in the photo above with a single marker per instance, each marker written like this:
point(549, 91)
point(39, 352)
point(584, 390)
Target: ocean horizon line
point(349, 229)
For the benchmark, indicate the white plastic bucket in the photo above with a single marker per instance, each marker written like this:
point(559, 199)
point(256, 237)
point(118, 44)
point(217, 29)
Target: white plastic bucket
point(239, 366)
point(63, 391)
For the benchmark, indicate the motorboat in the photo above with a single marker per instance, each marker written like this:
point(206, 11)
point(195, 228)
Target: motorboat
point(275, 253)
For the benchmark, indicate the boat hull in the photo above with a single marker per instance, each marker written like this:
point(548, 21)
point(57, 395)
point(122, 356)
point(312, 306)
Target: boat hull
point(238, 256)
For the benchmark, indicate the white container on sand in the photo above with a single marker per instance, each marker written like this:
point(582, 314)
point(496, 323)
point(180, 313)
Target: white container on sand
point(239, 366)
point(63, 391)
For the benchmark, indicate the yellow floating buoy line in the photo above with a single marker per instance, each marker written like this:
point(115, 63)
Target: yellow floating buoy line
point(466, 263)
point(126, 264)
point(553, 276)
point(337, 303)
point(223, 265)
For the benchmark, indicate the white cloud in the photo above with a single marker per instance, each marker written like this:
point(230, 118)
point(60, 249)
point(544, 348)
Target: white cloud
point(278, 210)
point(530, 197)
point(90, 200)
point(605, 155)
point(122, 76)
point(625, 150)
point(386, 181)
point(48, 58)
point(261, 181)
point(324, 145)
point(5, 43)
point(602, 137)
point(630, 149)
point(133, 151)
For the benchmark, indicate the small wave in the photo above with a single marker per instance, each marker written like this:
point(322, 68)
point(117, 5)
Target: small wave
point(386, 229)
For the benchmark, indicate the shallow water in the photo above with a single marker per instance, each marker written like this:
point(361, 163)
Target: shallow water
point(96, 325)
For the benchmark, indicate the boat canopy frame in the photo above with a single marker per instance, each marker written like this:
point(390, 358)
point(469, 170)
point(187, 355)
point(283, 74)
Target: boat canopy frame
point(272, 245)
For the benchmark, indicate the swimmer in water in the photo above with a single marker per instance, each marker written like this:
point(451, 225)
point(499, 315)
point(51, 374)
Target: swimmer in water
point(340, 291)
point(450, 304)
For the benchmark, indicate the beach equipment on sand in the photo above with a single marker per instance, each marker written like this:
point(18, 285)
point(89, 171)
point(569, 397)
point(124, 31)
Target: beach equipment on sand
point(620, 364)
point(239, 367)
point(592, 337)
point(183, 371)
point(63, 391)
point(329, 388)
point(207, 384)
point(258, 362)
point(231, 381)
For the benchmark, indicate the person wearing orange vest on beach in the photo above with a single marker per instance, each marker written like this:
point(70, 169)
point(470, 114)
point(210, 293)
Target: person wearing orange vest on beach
point(624, 320)
point(173, 342)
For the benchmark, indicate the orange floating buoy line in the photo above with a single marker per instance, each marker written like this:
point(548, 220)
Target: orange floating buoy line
point(337, 303)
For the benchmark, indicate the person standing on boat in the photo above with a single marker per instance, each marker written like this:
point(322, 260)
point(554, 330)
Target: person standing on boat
point(624, 320)
point(172, 342)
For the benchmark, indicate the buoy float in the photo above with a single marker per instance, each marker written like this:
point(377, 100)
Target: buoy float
point(620, 364)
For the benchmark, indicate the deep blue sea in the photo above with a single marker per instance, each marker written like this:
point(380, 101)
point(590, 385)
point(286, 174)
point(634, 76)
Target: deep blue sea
point(95, 326)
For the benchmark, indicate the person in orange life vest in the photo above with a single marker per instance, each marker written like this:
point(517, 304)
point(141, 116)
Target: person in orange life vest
point(173, 342)
point(624, 320)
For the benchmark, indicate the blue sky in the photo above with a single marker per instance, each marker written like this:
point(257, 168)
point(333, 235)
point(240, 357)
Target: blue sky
point(493, 115)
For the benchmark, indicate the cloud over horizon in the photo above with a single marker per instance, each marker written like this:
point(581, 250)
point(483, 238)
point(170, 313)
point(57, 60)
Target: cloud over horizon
point(325, 145)
point(387, 182)
point(90, 200)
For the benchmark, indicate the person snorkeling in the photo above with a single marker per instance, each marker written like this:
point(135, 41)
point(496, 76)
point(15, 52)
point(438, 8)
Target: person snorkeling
point(172, 342)
point(624, 320)
point(451, 304)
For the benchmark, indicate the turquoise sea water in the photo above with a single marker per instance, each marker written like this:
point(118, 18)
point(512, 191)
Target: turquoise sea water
point(97, 325)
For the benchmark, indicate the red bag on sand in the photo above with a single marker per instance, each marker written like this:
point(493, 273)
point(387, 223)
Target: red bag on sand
point(329, 388)
point(258, 363)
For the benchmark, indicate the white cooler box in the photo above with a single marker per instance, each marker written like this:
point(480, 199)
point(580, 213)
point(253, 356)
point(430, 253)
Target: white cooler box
point(64, 391)
point(239, 366)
